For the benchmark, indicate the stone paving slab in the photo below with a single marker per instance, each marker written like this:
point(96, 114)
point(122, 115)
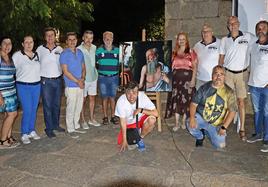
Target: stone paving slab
point(93, 160)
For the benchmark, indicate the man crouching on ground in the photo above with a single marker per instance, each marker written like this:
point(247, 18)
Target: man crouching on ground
point(212, 110)
point(126, 110)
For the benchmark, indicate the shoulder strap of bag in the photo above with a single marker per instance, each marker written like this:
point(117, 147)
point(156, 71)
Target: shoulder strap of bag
point(137, 106)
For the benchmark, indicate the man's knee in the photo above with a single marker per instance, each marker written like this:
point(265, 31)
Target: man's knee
point(150, 123)
point(220, 145)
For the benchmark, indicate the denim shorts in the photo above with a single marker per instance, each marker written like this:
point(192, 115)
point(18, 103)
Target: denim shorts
point(108, 85)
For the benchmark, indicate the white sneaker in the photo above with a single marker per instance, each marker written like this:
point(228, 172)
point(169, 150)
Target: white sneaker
point(85, 125)
point(34, 136)
point(94, 123)
point(72, 135)
point(176, 128)
point(79, 131)
point(25, 139)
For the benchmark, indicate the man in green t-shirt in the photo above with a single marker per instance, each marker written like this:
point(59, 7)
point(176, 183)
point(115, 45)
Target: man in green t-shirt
point(212, 110)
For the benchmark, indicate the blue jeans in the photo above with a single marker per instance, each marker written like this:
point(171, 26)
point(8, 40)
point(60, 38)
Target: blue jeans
point(259, 97)
point(29, 98)
point(108, 85)
point(51, 90)
point(211, 131)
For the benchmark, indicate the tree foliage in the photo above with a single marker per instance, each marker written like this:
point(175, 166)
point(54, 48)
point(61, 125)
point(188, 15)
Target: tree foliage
point(156, 27)
point(22, 17)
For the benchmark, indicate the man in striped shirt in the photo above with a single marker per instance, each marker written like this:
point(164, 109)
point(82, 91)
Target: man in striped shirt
point(107, 63)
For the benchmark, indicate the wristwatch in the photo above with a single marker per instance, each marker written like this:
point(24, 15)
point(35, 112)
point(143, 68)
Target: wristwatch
point(141, 110)
point(224, 128)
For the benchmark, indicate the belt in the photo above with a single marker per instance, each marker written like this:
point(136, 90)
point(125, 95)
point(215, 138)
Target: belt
point(51, 78)
point(108, 75)
point(236, 72)
point(28, 83)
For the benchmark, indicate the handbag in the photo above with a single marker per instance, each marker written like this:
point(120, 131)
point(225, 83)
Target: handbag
point(133, 135)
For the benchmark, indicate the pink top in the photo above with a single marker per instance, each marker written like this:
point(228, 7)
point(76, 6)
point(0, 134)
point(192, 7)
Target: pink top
point(184, 61)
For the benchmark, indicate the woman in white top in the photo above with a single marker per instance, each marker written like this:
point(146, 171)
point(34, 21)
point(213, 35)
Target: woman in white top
point(28, 87)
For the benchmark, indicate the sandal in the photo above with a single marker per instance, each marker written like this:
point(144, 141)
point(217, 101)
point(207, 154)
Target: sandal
point(105, 121)
point(6, 146)
point(115, 120)
point(242, 135)
point(13, 141)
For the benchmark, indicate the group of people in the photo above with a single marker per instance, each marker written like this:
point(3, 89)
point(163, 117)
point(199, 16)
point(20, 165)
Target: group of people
point(209, 86)
point(210, 83)
point(28, 75)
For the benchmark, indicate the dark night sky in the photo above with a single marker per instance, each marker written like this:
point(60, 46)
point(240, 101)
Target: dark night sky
point(125, 18)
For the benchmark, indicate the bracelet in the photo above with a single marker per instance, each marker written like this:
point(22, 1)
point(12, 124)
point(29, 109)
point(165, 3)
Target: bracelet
point(141, 110)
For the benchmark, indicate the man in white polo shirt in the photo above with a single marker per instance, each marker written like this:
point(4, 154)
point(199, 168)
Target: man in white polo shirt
point(207, 51)
point(51, 81)
point(90, 89)
point(258, 84)
point(233, 56)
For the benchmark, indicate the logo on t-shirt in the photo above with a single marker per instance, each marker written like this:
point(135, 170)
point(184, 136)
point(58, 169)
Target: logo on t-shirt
point(212, 48)
point(243, 41)
point(264, 50)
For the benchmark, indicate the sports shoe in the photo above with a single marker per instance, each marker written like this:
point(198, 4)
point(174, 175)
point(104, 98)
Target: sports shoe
point(94, 123)
point(60, 129)
point(141, 145)
point(264, 148)
point(50, 134)
point(175, 128)
point(34, 136)
point(199, 142)
point(79, 131)
point(85, 125)
point(25, 139)
point(73, 135)
point(255, 138)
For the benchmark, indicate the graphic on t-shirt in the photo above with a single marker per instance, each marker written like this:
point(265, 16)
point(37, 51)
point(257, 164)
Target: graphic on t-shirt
point(214, 107)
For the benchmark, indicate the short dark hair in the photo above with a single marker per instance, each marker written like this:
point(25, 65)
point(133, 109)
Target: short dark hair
point(3, 38)
point(131, 85)
point(88, 32)
point(260, 22)
point(50, 29)
point(70, 34)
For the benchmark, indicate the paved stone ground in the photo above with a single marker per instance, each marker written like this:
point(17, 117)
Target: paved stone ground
point(93, 160)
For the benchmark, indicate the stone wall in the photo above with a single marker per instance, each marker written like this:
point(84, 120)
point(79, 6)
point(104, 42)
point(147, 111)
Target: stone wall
point(190, 15)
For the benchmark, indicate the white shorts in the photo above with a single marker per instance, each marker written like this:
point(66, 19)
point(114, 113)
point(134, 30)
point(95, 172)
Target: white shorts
point(90, 88)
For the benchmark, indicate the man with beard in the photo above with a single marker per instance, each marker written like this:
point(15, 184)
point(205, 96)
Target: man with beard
point(212, 110)
point(155, 73)
point(258, 84)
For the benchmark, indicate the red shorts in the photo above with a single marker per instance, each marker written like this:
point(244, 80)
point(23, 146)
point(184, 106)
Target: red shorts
point(129, 126)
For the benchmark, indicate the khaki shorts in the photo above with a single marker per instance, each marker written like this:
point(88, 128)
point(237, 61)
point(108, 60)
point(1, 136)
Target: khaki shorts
point(90, 88)
point(238, 82)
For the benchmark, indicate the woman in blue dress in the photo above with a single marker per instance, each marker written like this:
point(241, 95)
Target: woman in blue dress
point(8, 96)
